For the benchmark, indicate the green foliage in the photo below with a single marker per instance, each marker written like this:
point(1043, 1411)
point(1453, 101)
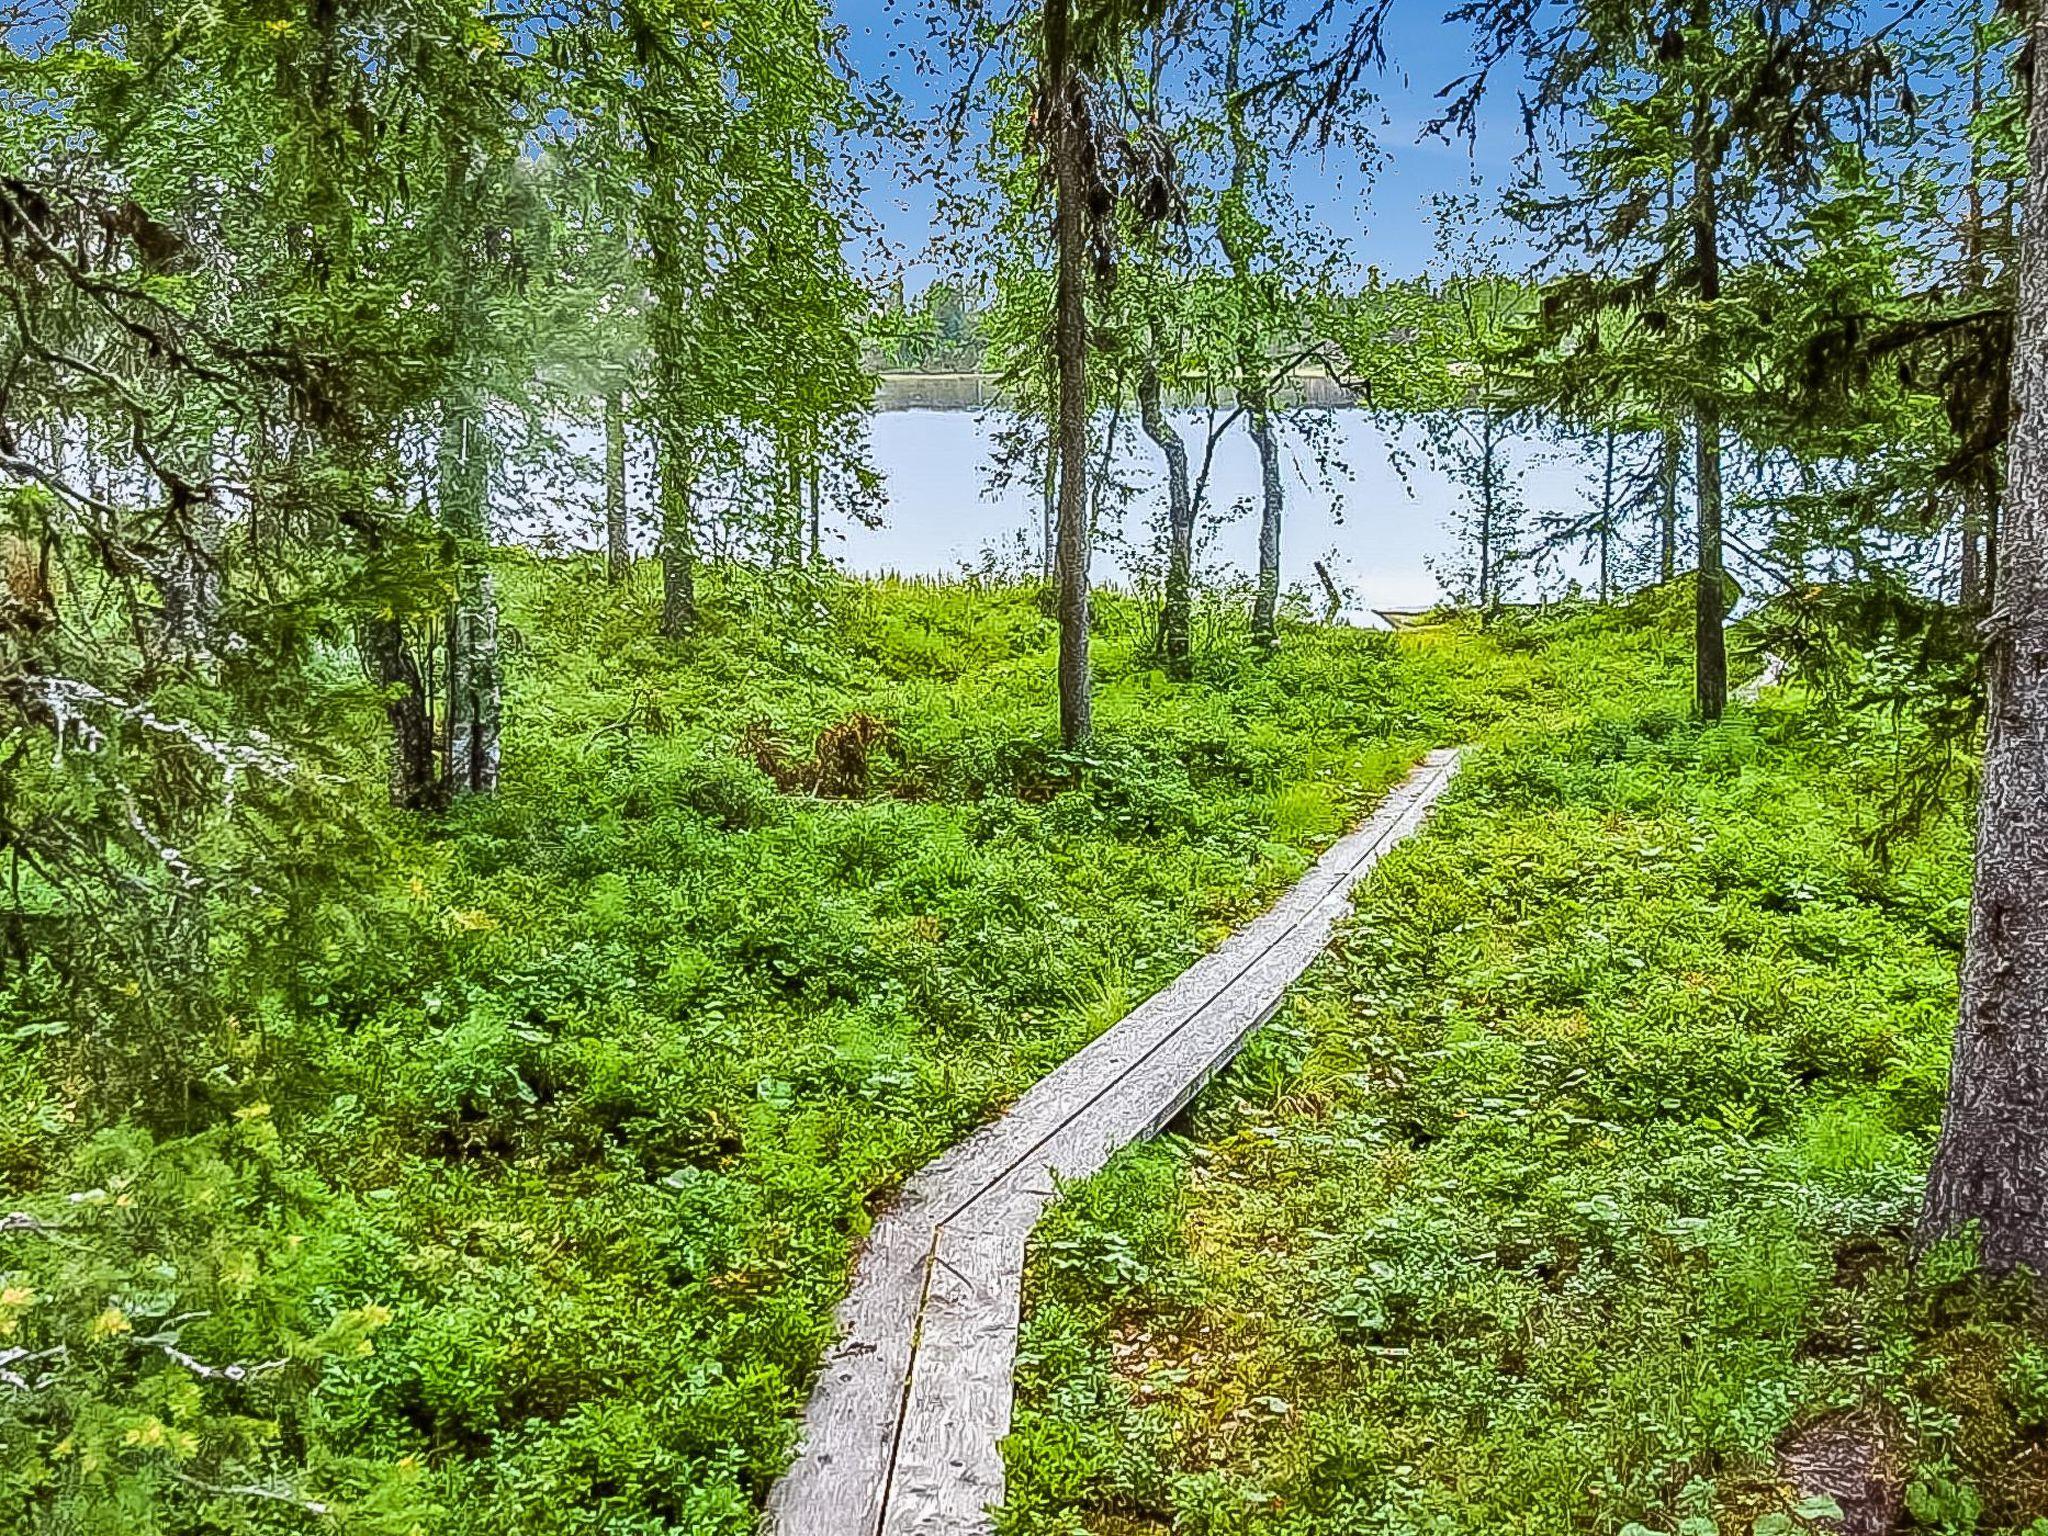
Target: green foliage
point(520, 1171)
point(1574, 1183)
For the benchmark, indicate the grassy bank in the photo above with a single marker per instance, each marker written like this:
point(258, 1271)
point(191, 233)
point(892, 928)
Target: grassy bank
point(1572, 1191)
point(517, 1165)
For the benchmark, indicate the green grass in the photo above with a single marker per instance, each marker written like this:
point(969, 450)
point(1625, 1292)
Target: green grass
point(1574, 1187)
point(529, 1163)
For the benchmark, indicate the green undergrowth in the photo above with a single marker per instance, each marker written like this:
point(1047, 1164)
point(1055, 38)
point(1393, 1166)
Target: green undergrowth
point(1573, 1191)
point(517, 1166)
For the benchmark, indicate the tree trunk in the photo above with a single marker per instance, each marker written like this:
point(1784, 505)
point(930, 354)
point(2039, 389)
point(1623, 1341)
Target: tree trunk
point(678, 541)
point(1710, 645)
point(1488, 577)
point(1176, 623)
point(1991, 1164)
point(1669, 450)
point(1252, 393)
point(1070, 349)
point(1051, 503)
point(414, 784)
point(1606, 516)
point(474, 683)
point(814, 489)
point(618, 556)
point(1266, 598)
point(1970, 578)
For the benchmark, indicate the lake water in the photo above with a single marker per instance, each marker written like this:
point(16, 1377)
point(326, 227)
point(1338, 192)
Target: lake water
point(1371, 504)
point(1366, 498)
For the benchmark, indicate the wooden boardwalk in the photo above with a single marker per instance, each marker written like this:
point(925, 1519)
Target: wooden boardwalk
point(902, 1434)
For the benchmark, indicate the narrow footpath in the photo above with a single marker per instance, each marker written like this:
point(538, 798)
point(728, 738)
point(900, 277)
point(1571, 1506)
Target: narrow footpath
point(903, 1431)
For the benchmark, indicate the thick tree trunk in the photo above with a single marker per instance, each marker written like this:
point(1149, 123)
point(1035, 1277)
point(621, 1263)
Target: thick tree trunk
point(1991, 1164)
point(1070, 348)
point(618, 555)
point(1176, 622)
point(678, 540)
point(474, 683)
point(1266, 595)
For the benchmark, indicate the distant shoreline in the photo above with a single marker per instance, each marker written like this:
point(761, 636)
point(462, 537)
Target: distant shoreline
point(905, 391)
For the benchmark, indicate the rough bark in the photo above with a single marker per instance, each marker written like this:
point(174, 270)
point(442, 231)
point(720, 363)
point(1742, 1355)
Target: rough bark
point(474, 682)
point(1176, 620)
point(618, 556)
point(678, 541)
point(1991, 1164)
point(1067, 142)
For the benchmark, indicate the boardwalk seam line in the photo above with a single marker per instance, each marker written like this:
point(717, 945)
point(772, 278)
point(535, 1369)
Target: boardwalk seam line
point(914, 1394)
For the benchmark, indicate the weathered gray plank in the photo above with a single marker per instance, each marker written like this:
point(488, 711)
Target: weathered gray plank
point(902, 1431)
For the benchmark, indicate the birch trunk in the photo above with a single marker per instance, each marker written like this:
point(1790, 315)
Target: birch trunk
point(1176, 638)
point(1991, 1164)
point(1266, 600)
point(474, 685)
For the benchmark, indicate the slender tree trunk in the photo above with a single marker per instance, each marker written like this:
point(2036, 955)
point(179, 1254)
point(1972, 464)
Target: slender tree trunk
point(474, 683)
point(1252, 392)
point(678, 539)
point(1710, 666)
point(618, 555)
point(1066, 139)
point(1710, 651)
point(1606, 515)
point(814, 489)
point(1266, 598)
point(1991, 1164)
point(1176, 624)
point(1050, 504)
point(414, 784)
point(1970, 525)
point(1488, 577)
point(1672, 446)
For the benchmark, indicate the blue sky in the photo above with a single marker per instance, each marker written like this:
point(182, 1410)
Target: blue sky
point(1384, 218)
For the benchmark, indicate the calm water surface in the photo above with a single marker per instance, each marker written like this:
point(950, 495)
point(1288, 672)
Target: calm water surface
point(1374, 508)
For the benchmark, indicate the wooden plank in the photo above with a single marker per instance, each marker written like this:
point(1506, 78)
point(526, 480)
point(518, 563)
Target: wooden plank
point(902, 1432)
